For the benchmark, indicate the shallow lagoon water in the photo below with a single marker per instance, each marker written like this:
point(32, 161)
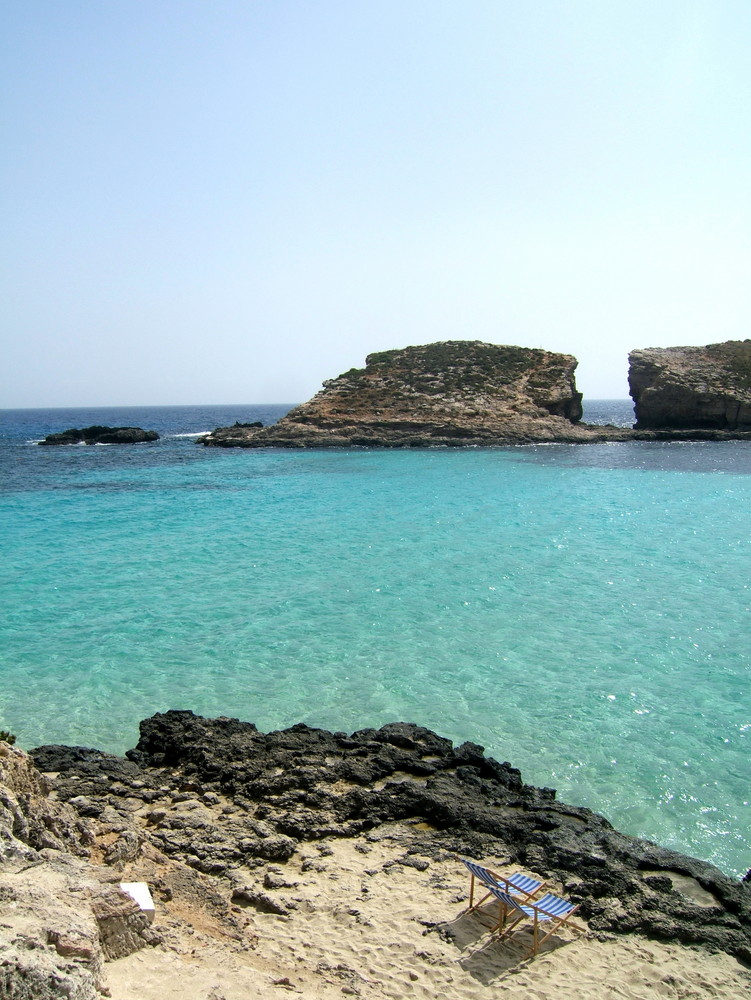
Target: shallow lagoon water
point(581, 611)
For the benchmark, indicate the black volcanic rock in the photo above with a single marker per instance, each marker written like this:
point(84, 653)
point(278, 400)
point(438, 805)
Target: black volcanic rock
point(301, 784)
point(98, 434)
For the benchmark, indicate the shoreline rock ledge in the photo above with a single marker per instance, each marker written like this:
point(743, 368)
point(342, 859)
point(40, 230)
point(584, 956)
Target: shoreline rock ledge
point(451, 393)
point(237, 805)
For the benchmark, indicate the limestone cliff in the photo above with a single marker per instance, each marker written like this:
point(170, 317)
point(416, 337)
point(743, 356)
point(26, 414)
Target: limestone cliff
point(693, 387)
point(448, 393)
point(62, 917)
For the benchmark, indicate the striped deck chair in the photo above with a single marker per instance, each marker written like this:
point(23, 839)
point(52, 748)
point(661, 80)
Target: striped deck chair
point(549, 909)
point(523, 886)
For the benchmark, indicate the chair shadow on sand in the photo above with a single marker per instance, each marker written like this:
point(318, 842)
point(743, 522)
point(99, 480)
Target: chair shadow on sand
point(485, 957)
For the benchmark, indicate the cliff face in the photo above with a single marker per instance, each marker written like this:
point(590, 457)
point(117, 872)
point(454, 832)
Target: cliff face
point(455, 392)
point(467, 393)
point(62, 916)
point(693, 387)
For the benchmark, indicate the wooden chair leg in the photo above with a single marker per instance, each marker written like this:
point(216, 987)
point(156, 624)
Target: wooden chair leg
point(553, 929)
point(508, 927)
point(501, 922)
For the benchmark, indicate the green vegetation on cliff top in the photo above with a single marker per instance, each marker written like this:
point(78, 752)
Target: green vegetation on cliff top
point(735, 355)
point(456, 366)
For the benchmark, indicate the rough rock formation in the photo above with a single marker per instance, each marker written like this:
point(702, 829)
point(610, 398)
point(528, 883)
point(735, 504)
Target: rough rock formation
point(693, 387)
point(99, 434)
point(30, 819)
point(226, 800)
point(467, 393)
point(67, 916)
point(451, 393)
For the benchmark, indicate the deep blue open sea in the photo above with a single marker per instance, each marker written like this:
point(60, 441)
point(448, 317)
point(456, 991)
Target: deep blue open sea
point(582, 611)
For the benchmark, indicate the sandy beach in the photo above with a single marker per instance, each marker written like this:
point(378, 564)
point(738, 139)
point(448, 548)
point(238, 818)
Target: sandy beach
point(375, 909)
point(359, 917)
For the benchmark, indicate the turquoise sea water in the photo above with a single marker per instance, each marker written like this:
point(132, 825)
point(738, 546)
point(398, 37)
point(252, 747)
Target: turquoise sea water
point(581, 611)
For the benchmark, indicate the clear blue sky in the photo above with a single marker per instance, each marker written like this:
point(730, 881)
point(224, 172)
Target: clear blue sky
point(208, 201)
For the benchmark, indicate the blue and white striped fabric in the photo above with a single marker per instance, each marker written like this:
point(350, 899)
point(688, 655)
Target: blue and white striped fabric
point(524, 883)
point(550, 910)
point(550, 907)
point(483, 874)
point(519, 883)
point(553, 906)
point(508, 900)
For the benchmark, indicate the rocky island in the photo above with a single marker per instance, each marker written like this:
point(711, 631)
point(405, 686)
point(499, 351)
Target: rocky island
point(99, 434)
point(468, 393)
point(451, 393)
point(326, 863)
point(692, 387)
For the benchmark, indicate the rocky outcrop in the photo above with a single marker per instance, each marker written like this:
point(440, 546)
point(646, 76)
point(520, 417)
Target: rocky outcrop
point(99, 434)
point(30, 818)
point(222, 821)
point(467, 393)
point(450, 393)
point(693, 387)
point(67, 922)
point(62, 916)
point(225, 799)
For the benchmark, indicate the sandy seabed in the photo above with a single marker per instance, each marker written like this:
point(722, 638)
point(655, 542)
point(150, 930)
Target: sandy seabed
point(360, 921)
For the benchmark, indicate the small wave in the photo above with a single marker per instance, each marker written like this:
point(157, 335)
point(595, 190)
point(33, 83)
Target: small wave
point(72, 444)
point(189, 434)
point(547, 444)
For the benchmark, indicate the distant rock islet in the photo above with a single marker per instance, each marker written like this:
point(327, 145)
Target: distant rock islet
point(99, 434)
